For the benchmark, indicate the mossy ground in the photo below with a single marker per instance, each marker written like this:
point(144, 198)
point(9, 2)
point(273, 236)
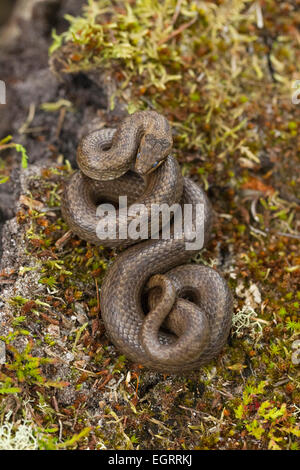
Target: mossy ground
point(222, 72)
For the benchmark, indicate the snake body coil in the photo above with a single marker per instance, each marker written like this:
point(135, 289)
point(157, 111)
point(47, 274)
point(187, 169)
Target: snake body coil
point(186, 318)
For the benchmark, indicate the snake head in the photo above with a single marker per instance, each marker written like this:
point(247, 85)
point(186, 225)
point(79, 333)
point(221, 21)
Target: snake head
point(152, 152)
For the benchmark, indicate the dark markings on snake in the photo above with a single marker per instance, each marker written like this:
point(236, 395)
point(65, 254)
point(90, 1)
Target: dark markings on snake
point(191, 302)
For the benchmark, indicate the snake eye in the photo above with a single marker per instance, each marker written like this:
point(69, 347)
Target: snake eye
point(138, 155)
point(155, 164)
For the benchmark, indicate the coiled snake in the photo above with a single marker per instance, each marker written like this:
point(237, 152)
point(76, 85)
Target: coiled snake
point(158, 311)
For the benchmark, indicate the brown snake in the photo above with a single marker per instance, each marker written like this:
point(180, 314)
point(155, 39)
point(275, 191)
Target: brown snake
point(159, 312)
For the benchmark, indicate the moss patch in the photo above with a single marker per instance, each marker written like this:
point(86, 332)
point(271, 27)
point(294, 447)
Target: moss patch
point(222, 73)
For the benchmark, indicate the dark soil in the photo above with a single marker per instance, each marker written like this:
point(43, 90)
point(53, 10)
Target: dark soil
point(30, 82)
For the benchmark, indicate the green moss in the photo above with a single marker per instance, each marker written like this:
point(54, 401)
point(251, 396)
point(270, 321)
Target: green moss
point(184, 68)
point(207, 72)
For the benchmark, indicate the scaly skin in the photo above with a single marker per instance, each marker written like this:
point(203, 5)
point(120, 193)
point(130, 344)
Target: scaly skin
point(193, 303)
